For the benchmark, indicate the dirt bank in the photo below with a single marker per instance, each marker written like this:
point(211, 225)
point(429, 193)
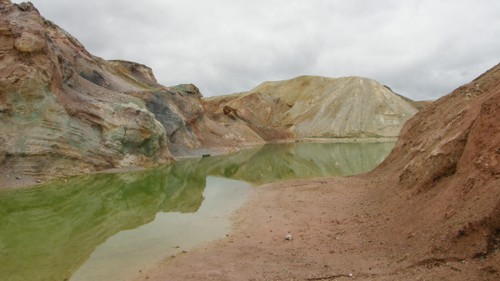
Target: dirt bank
point(338, 229)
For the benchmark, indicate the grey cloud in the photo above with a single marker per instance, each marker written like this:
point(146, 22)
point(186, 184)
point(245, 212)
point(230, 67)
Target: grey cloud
point(420, 48)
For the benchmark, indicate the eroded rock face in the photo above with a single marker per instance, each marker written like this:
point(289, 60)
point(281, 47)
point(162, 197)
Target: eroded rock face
point(310, 106)
point(64, 111)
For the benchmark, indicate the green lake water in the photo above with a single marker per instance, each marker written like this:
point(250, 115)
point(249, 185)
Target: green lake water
point(115, 226)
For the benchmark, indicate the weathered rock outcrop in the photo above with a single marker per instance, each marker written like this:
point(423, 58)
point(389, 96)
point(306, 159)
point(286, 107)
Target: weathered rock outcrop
point(64, 111)
point(61, 109)
point(441, 183)
point(310, 106)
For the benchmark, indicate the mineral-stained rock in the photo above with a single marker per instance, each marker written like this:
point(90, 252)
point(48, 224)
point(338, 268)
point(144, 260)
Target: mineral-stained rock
point(6, 39)
point(135, 71)
point(310, 106)
point(64, 111)
point(55, 119)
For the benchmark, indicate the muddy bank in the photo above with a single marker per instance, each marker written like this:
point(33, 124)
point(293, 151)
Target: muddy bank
point(338, 229)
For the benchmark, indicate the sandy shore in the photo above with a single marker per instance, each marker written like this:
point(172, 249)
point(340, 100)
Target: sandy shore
point(338, 231)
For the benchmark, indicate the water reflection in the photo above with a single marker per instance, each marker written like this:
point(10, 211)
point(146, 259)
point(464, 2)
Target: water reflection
point(275, 162)
point(48, 232)
point(124, 255)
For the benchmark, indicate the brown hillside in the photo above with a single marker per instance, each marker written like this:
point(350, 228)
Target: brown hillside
point(441, 183)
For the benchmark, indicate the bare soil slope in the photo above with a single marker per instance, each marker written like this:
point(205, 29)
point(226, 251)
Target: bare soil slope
point(443, 176)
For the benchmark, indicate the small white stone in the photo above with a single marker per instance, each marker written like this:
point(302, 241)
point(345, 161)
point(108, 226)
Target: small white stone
point(288, 236)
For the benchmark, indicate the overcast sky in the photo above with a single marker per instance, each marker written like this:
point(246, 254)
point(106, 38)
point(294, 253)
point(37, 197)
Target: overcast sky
point(422, 49)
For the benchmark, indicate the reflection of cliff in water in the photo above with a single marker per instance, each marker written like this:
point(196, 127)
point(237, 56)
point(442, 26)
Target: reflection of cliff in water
point(48, 232)
point(274, 162)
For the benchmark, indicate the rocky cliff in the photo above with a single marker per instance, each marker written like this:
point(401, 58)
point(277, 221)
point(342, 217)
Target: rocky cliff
point(311, 106)
point(64, 111)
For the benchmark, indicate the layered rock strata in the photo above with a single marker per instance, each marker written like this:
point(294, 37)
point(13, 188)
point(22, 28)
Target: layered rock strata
point(64, 111)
